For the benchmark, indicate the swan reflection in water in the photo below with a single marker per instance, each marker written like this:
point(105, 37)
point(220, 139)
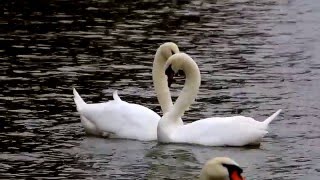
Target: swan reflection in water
point(114, 157)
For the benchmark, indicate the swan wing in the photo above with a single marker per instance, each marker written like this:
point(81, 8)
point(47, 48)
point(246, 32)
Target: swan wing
point(231, 131)
point(123, 120)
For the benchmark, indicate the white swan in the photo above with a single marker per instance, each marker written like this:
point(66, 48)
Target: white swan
point(127, 120)
point(217, 131)
point(221, 168)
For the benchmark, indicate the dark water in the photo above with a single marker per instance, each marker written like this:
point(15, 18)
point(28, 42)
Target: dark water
point(255, 57)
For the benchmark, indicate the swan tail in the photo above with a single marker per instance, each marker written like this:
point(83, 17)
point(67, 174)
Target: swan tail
point(271, 118)
point(116, 96)
point(78, 100)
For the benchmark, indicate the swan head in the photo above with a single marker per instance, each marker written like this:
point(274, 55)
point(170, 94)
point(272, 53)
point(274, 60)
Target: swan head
point(221, 168)
point(174, 66)
point(164, 52)
point(168, 49)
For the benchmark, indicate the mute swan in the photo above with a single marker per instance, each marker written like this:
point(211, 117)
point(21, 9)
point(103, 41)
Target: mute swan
point(216, 131)
point(221, 168)
point(127, 120)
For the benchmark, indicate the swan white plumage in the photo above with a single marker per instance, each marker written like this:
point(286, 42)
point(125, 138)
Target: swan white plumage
point(127, 120)
point(221, 168)
point(216, 131)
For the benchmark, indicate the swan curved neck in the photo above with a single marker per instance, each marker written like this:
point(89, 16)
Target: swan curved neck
point(190, 89)
point(160, 82)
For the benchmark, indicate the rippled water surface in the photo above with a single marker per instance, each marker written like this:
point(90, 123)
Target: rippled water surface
point(255, 57)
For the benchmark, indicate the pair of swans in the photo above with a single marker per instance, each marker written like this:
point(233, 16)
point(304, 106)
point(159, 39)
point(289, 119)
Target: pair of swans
point(133, 121)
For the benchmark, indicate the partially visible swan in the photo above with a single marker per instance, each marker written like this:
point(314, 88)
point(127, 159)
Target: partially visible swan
point(221, 168)
point(127, 120)
point(217, 131)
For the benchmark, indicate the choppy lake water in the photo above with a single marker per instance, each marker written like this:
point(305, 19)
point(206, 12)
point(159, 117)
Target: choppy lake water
point(255, 57)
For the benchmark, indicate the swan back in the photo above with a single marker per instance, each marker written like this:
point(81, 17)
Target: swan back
point(221, 168)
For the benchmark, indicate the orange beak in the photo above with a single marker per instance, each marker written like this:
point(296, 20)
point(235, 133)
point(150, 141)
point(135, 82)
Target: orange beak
point(236, 176)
